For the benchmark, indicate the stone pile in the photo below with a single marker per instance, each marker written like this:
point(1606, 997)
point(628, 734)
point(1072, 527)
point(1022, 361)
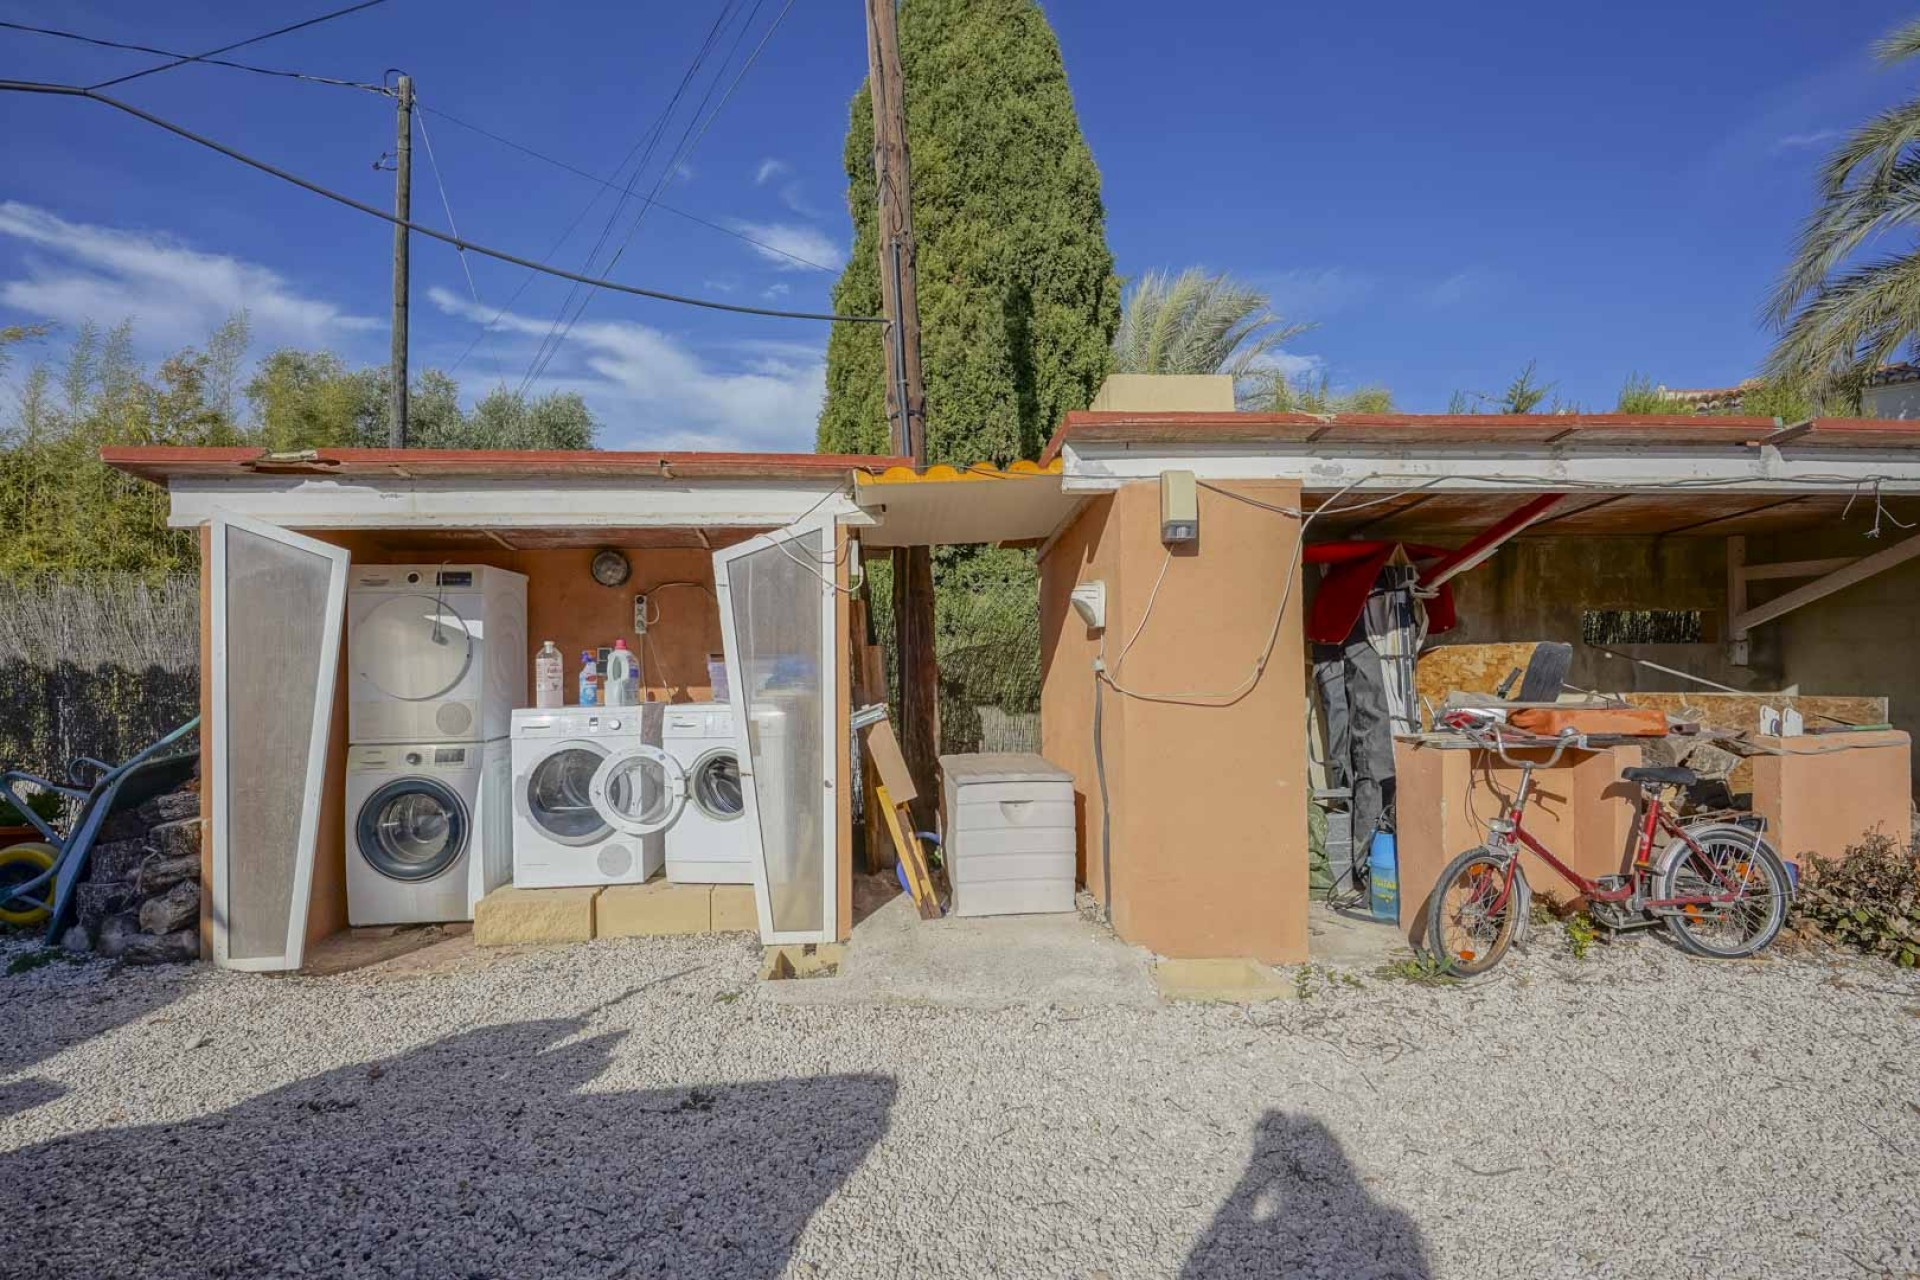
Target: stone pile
point(140, 901)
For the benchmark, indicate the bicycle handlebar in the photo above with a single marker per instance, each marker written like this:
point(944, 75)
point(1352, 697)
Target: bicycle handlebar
point(1484, 731)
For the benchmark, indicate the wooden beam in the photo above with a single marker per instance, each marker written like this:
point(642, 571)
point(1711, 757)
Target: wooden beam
point(1840, 579)
point(1795, 568)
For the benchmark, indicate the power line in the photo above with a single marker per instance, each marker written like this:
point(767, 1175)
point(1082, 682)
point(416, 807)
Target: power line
point(501, 255)
point(434, 165)
point(686, 149)
point(182, 59)
point(595, 178)
point(647, 139)
point(557, 331)
point(186, 57)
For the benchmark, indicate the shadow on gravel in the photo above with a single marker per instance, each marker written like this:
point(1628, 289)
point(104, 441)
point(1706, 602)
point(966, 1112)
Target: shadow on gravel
point(487, 1154)
point(1300, 1210)
point(41, 1021)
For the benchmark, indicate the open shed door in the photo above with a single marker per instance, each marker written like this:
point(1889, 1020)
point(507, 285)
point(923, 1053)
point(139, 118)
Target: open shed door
point(278, 599)
point(777, 620)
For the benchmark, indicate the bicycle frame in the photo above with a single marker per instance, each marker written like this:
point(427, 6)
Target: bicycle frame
point(1509, 831)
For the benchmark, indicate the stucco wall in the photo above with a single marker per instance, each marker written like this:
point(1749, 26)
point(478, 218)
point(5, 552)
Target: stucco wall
point(1208, 815)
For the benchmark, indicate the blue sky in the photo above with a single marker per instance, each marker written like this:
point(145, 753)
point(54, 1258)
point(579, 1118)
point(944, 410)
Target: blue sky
point(1445, 191)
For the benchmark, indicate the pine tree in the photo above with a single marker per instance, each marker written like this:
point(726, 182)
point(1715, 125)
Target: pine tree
point(1018, 299)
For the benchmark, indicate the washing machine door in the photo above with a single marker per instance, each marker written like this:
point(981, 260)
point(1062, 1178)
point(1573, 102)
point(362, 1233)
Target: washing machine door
point(412, 829)
point(556, 794)
point(713, 784)
point(641, 790)
point(413, 648)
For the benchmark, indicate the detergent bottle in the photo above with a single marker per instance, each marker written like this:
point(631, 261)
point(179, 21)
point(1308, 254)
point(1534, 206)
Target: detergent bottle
point(589, 679)
point(549, 676)
point(623, 677)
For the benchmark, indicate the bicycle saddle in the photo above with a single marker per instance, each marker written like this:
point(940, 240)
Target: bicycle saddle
point(1678, 775)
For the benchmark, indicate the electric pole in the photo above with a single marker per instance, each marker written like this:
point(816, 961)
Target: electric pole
point(403, 210)
point(906, 399)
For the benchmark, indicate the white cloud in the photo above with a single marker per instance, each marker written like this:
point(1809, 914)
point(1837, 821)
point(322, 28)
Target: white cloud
point(76, 272)
point(775, 290)
point(1313, 293)
point(1804, 141)
point(769, 170)
point(652, 390)
point(777, 240)
point(1460, 288)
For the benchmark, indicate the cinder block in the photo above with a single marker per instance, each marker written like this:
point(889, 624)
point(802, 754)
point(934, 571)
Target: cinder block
point(1230, 981)
point(734, 910)
point(509, 915)
point(655, 908)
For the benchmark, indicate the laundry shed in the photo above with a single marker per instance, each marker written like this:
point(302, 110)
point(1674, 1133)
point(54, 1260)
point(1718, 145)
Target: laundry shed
point(705, 563)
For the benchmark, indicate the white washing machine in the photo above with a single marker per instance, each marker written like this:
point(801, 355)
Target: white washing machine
point(429, 829)
point(594, 793)
point(435, 653)
point(711, 842)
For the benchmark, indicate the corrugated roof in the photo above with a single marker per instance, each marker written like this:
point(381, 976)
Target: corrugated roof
point(160, 464)
point(1595, 429)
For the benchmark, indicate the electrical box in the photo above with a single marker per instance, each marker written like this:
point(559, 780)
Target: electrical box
point(1179, 507)
point(1090, 602)
point(639, 615)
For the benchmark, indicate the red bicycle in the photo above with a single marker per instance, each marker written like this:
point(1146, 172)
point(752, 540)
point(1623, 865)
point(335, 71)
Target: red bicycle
point(1719, 887)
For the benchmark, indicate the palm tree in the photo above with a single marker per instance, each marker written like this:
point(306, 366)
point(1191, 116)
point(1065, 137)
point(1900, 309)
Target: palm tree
point(1196, 323)
point(1840, 319)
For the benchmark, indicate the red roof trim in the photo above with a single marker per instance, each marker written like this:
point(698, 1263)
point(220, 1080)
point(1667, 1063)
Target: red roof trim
point(1456, 429)
point(160, 463)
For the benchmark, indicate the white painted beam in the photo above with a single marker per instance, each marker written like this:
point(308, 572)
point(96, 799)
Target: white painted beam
point(304, 502)
point(1840, 579)
point(1097, 467)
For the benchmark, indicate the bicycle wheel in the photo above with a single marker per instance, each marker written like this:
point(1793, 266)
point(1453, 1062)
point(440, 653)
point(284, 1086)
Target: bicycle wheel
point(18, 864)
point(1469, 923)
point(1728, 860)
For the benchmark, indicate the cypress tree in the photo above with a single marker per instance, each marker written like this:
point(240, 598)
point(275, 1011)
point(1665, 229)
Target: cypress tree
point(1018, 300)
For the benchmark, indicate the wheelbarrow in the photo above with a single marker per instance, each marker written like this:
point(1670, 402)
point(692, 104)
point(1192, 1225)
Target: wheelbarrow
point(37, 879)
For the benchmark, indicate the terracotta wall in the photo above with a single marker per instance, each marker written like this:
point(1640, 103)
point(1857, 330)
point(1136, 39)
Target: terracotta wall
point(1824, 792)
point(1208, 816)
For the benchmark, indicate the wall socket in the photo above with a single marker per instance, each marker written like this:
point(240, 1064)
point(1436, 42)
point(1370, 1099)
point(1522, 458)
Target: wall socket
point(639, 615)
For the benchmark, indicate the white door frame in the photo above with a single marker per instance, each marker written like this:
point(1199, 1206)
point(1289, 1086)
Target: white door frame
point(324, 679)
point(673, 774)
point(826, 570)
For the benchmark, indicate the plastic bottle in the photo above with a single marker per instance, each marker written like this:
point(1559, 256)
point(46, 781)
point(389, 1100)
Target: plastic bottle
point(1383, 876)
point(623, 677)
point(549, 676)
point(589, 680)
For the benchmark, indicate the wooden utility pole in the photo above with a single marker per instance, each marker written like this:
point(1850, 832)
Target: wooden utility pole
point(403, 210)
point(906, 400)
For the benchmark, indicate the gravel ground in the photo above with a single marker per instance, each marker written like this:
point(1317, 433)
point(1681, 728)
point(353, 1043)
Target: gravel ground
point(641, 1108)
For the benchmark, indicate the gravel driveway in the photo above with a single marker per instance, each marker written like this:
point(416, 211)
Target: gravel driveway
point(642, 1109)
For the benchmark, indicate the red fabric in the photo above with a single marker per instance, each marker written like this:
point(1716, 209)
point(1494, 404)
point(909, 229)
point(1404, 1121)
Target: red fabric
point(1343, 592)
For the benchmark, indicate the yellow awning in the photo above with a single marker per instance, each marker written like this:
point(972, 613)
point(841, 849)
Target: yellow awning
point(1022, 502)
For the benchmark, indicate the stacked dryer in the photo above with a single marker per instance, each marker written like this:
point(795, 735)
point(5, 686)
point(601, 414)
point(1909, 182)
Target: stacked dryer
point(437, 662)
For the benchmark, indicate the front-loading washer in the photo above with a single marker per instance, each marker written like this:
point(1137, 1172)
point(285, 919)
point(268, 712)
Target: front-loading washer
point(594, 793)
point(428, 830)
point(712, 842)
point(435, 653)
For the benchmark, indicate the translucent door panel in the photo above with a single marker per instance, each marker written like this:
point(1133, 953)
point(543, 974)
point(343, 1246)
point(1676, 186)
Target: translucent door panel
point(777, 611)
point(277, 602)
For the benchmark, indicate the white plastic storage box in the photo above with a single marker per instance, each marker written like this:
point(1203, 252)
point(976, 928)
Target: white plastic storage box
point(1008, 826)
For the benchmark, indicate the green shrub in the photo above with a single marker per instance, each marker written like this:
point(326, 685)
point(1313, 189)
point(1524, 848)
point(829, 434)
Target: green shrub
point(45, 803)
point(1868, 898)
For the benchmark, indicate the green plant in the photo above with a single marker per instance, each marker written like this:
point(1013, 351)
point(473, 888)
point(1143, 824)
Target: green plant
point(1196, 323)
point(47, 804)
point(1639, 394)
point(1841, 317)
point(1580, 935)
point(1307, 394)
point(31, 960)
point(1018, 297)
point(1421, 968)
point(1868, 898)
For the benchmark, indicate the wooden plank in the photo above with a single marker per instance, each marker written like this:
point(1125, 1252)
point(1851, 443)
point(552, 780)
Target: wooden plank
point(1736, 593)
point(884, 750)
point(1475, 668)
point(919, 879)
point(1840, 579)
point(1791, 569)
